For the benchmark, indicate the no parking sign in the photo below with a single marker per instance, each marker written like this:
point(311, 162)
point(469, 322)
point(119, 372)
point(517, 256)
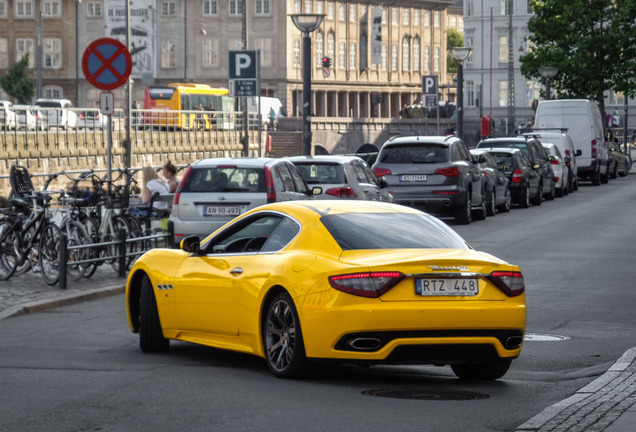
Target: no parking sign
point(107, 63)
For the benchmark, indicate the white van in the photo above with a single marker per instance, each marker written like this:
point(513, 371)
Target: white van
point(266, 104)
point(582, 119)
point(60, 112)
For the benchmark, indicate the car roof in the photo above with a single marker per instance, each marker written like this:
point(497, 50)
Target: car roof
point(324, 158)
point(252, 162)
point(500, 149)
point(423, 139)
point(329, 207)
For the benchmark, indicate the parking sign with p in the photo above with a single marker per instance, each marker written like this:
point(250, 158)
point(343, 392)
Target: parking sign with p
point(429, 90)
point(242, 73)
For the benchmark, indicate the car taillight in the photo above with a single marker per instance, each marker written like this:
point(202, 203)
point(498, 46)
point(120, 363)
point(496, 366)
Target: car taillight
point(554, 162)
point(448, 171)
point(509, 282)
point(369, 284)
point(177, 193)
point(517, 176)
point(342, 192)
point(269, 185)
point(381, 172)
point(593, 148)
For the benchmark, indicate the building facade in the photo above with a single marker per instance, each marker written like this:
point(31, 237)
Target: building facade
point(373, 47)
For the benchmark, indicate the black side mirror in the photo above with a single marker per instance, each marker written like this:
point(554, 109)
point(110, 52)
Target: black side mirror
point(579, 152)
point(191, 244)
point(383, 183)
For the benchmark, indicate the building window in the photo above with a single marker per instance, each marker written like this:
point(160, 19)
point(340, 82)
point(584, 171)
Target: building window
point(353, 52)
point(342, 12)
point(331, 46)
point(416, 17)
point(533, 93)
point(24, 9)
point(468, 43)
point(297, 9)
point(24, 47)
point(210, 7)
point(503, 7)
point(416, 54)
point(320, 49)
point(395, 16)
point(168, 8)
point(427, 58)
point(4, 53)
point(385, 20)
point(168, 53)
point(406, 55)
point(331, 11)
point(406, 17)
point(3, 9)
point(503, 93)
point(52, 8)
point(394, 57)
point(427, 18)
point(385, 60)
point(296, 53)
point(503, 49)
point(210, 52)
point(436, 19)
point(529, 9)
point(352, 13)
point(470, 93)
point(265, 45)
point(436, 58)
point(308, 7)
point(235, 7)
point(342, 55)
point(52, 53)
point(320, 7)
point(52, 92)
point(262, 7)
point(470, 7)
point(94, 9)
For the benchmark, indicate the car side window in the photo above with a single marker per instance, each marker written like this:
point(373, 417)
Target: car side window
point(371, 177)
point(456, 154)
point(282, 235)
point(299, 184)
point(246, 236)
point(360, 175)
point(286, 180)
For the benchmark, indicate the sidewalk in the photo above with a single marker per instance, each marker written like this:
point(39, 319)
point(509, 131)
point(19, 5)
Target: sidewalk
point(606, 404)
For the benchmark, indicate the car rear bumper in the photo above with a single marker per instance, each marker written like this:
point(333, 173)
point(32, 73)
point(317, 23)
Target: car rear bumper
point(446, 201)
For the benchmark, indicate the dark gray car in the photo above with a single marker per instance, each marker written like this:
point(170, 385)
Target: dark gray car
point(436, 174)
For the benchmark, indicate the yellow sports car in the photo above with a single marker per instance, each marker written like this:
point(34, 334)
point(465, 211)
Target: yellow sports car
point(301, 282)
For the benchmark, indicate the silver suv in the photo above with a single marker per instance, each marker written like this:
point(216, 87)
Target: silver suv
point(436, 174)
point(215, 191)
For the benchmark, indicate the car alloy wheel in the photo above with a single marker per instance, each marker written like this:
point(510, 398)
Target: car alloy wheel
point(524, 199)
point(491, 203)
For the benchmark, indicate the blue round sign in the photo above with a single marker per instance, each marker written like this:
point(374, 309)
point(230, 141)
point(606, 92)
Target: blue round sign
point(107, 63)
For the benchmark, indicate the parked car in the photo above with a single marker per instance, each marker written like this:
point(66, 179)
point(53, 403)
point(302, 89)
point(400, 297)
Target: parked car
point(41, 118)
point(538, 158)
point(497, 190)
point(25, 118)
point(60, 112)
point(333, 280)
point(564, 142)
point(214, 191)
point(436, 174)
point(347, 177)
point(524, 180)
point(558, 166)
point(91, 119)
point(581, 118)
point(623, 162)
point(8, 118)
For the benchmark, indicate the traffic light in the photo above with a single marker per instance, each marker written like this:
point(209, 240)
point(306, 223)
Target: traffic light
point(376, 97)
point(326, 62)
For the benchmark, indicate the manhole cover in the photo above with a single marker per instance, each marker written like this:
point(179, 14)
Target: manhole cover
point(544, 337)
point(430, 394)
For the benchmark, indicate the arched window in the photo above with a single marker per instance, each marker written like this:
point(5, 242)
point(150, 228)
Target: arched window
point(331, 47)
point(320, 49)
point(406, 54)
point(416, 54)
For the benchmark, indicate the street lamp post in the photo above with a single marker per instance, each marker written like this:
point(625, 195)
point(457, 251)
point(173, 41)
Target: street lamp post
point(307, 23)
point(460, 54)
point(548, 72)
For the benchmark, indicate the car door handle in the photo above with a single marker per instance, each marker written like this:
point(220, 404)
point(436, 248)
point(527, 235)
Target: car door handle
point(236, 271)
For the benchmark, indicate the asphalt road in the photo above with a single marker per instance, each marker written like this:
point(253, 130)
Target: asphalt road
point(78, 368)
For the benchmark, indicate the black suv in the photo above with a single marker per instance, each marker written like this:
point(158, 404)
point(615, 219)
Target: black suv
point(436, 174)
point(534, 150)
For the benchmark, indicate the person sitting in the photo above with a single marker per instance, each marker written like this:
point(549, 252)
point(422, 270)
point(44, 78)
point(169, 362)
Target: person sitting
point(169, 172)
point(152, 184)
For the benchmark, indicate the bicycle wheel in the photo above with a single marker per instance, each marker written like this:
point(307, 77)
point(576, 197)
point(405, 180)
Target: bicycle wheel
point(32, 255)
point(76, 236)
point(48, 250)
point(112, 234)
point(8, 255)
point(92, 230)
point(136, 231)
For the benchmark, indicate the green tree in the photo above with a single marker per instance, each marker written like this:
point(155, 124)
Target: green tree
point(16, 83)
point(453, 39)
point(591, 42)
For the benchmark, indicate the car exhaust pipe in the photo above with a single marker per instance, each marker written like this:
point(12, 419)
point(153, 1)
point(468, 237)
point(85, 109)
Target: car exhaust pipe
point(365, 344)
point(446, 203)
point(513, 342)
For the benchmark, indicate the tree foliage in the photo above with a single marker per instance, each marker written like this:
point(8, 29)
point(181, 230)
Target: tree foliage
point(16, 83)
point(591, 42)
point(454, 38)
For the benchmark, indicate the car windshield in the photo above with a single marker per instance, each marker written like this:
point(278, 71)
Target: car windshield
point(225, 179)
point(355, 231)
point(317, 173)
point(415, 153)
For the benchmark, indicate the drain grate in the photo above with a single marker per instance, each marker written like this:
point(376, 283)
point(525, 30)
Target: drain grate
point(428, 394)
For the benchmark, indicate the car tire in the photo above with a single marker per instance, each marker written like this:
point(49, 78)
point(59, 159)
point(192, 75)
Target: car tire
point(491, 203)
point(538, 198)
point(550, 196)
point(482, 371)
point(575, 186)
point(505, 207)
point(614, 172)
point(283, 340)
point(560, 192)
point(605, 178)
point(480, 213)
point(150, 332)
point(463, 214)
point(524, 197)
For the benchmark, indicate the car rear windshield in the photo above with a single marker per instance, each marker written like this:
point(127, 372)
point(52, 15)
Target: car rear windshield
point(504, 160)
point(415, 153)
point(49, 104)
point(225, 179)
point(521, 145)
point(355, 231)
point(317, 173)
